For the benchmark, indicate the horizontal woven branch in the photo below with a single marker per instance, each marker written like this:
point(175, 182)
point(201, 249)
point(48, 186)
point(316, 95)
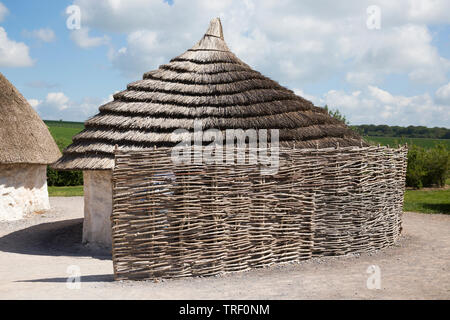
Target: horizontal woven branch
point(172, 221)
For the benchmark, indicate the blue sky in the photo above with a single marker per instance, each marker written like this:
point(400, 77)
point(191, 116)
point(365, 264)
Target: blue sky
point(397, 74)
point(61, 65)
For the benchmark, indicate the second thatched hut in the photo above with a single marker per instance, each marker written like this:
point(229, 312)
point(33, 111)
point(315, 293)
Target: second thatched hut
point(26, 148)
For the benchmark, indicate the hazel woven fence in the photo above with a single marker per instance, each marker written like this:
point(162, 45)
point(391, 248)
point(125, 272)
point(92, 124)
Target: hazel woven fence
point(172, 221)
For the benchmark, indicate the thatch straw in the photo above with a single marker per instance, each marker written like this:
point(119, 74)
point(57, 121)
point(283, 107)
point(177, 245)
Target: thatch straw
point(24, 137)
point(210, 83)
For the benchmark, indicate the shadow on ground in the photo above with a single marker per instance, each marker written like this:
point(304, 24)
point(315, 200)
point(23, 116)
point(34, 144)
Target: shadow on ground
point(83, 279)
point(61, 238)
point(443, 208)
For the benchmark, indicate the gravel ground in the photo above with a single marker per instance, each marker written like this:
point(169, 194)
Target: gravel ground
point(36, 255)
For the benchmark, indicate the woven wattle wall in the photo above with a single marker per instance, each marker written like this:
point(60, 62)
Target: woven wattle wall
point(173, 221)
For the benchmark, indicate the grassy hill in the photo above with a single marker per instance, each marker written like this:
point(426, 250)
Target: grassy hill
point(63, 131)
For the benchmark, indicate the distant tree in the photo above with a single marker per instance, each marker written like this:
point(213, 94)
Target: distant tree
point(405, 132)
point(337, 115)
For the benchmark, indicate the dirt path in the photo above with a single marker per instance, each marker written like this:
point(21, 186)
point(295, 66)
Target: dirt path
point(35, 255)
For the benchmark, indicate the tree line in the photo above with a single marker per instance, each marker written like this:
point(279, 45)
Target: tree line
point(402, 132)
point(426, 167)
point(384, 130)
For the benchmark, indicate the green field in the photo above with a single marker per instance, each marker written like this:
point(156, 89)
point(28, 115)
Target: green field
point(64, 124)
point(63, 136)
point(63, 131)
point(76, 191)
point(421, 142)
point(427, 201)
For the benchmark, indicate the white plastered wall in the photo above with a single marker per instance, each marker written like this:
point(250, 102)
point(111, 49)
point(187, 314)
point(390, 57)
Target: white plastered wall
point(23, 190)
point(97, 208)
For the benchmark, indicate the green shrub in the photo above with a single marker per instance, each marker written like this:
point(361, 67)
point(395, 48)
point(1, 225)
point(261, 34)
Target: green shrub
point(436, 166)
point(336, 114)
point(427, 167)
point(416, 169)
point(63, 178)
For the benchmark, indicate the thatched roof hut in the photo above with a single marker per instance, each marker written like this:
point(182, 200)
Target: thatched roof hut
point(207, 82)
point(26, 147)
point(210, 83)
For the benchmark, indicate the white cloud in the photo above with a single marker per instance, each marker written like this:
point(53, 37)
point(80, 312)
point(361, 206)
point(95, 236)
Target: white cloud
point(426, 11)
point(309, 97)
point(108, 99)
point(381, 95)
point(378, 106)
point(3, 11)
point(43, 34)
point(57, 106)
point(443, 95)
point(336, 98)
point(145, 51)
point(405, 49)
point(34, 102)
point(82, 39)
point(57, 100)
point(295, 42)
point(12, 53)
point(362, 78)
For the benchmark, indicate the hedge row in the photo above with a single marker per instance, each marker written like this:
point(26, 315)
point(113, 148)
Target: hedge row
point(63, 178)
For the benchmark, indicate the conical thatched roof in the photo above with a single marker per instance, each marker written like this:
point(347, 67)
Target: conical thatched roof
point(210, 83)
point(24, 137)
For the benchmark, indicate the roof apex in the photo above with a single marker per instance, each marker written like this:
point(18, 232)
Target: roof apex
point(215, 29)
